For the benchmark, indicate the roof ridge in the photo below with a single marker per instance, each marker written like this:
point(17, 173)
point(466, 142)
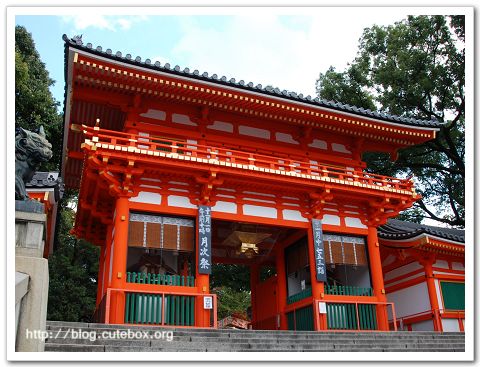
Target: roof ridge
point(398, 229)
point(77, 42)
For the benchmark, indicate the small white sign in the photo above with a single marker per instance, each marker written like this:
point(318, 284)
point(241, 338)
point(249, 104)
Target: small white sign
point(322, 307)
point(302, 285)
point(207, 302)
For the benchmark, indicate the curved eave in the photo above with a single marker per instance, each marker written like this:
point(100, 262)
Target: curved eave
point(394, 233)
point(293, 97)
point(426, 242)
point(117, 77)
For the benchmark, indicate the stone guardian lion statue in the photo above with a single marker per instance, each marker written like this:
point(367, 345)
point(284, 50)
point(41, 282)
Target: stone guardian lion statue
point(31, 150)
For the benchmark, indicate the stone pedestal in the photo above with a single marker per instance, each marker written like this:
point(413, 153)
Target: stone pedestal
point(31, 291)
point(29, 234)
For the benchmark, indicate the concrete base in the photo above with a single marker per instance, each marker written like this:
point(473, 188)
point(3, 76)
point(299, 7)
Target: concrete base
point(33, 313)
point(29, 234)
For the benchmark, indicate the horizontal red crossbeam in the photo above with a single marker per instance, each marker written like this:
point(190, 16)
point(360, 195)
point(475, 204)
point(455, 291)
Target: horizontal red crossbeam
point(121, 142)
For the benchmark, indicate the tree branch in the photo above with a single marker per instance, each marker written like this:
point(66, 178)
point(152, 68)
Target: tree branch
point(439, 219)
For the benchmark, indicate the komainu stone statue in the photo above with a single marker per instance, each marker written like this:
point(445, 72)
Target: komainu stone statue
point(31, 150)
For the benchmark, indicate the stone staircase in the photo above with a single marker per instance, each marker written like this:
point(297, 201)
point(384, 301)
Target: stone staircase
point(87, 337)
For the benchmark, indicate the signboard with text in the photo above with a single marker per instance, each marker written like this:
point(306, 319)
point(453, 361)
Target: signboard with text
point(320, 267)
point(207, 303)
point(204, 240)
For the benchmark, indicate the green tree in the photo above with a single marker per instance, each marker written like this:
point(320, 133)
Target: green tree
point(233, 276)
point(232, 302)
point(414, 68)
point(73, 268)
point(74, 263)
point(34, 103)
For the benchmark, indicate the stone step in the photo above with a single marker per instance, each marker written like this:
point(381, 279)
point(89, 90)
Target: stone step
point(240, 334)
point(155, 339)
point(87, 334)
point(75, 325)
point(192, 340)
point(101, 348)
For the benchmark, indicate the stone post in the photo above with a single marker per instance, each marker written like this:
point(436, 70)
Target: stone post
point(31, 275)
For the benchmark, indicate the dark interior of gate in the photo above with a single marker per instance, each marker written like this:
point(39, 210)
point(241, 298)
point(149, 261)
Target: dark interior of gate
point(285, 251)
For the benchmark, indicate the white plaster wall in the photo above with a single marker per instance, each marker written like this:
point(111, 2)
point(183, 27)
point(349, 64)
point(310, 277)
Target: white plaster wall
point(411, 300)
point(259, 211)
point(294, 286)
point(340, 148)
point(225, 207)
point(293, 215)
point(441, 264)
point(150, 180)
point(147, 198)
point(439, 293)
point(253, 131)
point(426, 325)
point(331, 219)
point(285, 138)
point(354, 222)
point(221, 126)
point(402, 270)
point(389, 260)
point(146, 139)
point(457, 266)
point(260, 200)
point(258, 193)
point(320, 144)
point(450, 325)
point(182, 119)
point(180, 201)
point(155, 114)
point(191, 141)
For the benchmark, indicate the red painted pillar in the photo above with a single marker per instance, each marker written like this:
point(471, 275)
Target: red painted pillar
point(119, 260)
point(254, 277)
point(318, 291)
point(432, 294)
point(281, 286)
point(377, 276)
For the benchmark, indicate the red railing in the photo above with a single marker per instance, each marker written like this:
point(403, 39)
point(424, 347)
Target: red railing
point(163, 294)
point(116, 140)
point(356, 303)
point(433, 315)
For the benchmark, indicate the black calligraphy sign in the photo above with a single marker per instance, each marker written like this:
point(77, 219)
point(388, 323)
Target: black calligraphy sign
point(320, 267)
point(204, 240)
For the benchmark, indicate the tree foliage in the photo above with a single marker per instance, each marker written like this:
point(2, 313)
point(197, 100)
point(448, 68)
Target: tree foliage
point(73, 268)
point(236, 277)
point(414, 68)
point(34, 103)
point(232, 302)
point(73, 264)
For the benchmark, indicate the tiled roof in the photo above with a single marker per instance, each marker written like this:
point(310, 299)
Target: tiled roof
point(76, 42)
point(41, 180)
point(399, 230)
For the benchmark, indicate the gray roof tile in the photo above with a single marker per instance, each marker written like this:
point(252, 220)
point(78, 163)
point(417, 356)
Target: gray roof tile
point(76, 42)
point(397, 230)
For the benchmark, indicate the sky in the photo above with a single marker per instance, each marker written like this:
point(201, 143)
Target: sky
point(271, 46)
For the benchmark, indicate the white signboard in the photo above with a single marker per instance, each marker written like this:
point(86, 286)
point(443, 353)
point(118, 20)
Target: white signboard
point(322, 307)
point(207, 303)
